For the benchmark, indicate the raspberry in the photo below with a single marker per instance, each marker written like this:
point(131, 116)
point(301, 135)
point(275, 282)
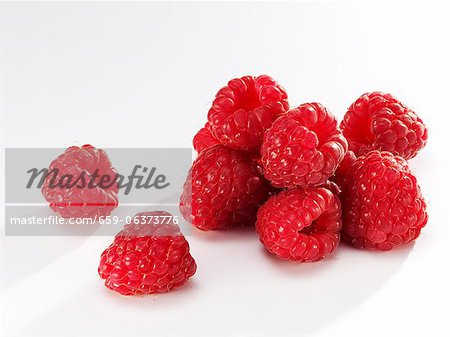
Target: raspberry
point(204, 139)
point(332, 187)
point(79, 200)
point(150, 255)
point(344, 166)
point(302, 147)
point(223, 189)
point(382, 203)
point(378, 121)
point(300, 224)
point(244, 109)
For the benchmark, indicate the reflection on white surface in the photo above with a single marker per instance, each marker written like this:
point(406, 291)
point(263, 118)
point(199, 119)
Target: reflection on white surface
point(237, 281)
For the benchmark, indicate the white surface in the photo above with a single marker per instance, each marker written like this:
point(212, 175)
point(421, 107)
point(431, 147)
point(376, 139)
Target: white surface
point(143, 75)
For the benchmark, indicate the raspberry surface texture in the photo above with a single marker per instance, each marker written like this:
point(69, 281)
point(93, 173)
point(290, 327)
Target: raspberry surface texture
point(223, 189)
point(204, 139)
point(382, 203)
point(84, 195)
point(244, 109)
point(300, 224)
point(150, 255)
point(303, 147)
point(378, 121)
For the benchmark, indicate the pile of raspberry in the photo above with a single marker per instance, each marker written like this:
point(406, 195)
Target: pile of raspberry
point(300, 178)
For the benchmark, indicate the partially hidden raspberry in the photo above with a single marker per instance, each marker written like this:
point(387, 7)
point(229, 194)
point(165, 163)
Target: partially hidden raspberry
point(303, 147)
point(343, 167)
point(244, 109)
point(378, 121)
point(382, 203)
point(203, 139)
point(332, 187)
point(74, 187)
point(300, 224)
point(150, 255)
point(223, 189)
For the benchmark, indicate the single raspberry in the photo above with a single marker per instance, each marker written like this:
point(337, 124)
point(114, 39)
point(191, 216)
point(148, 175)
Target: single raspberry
point(382, 203)
point(342, 169)
point(223, 189)
point(256, 158)
point(150, 255)
point(81, 183)
point(204, 139)
point(303, 147)
point(378, 121)
point(244, 109)
point(300, 224)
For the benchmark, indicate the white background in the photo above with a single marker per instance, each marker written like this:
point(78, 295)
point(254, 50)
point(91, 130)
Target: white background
point(144, 75)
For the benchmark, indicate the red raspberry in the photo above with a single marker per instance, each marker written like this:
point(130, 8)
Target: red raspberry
point(204, 139)
point(344, 166)
point(382, 204)
point(303, 147)
point(378, 121)
point(81, 200)
point(223, 189)
point(244, 109)
point(300, 224)
point(332, 187)
point(150, 255)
